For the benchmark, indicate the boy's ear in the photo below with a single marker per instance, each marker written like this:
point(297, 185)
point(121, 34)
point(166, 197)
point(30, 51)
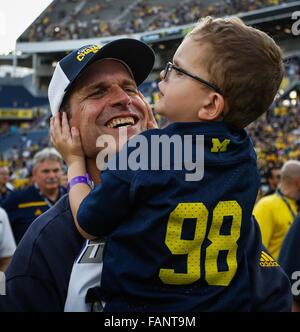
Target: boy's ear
point(212, 108)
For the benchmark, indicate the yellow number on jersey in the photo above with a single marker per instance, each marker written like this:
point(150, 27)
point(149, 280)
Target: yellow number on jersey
point(180, 247)
point(223, 242)
point(192, 248)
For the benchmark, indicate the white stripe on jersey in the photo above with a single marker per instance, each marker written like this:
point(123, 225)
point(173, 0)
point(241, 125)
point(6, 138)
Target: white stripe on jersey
point(86, 273)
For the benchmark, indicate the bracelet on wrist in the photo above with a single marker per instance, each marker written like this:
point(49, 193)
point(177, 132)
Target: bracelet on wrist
point(81, 179)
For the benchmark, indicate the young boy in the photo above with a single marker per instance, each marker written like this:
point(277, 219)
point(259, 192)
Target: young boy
point(178, 245)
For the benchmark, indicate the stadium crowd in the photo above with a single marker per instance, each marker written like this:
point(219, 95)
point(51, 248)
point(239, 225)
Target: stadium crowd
point(276, 135)
point(88, 19)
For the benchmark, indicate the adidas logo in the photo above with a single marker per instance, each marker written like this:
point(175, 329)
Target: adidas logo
point(266, 260)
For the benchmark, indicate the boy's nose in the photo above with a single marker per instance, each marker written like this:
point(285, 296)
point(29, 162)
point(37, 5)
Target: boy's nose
point(161, 75)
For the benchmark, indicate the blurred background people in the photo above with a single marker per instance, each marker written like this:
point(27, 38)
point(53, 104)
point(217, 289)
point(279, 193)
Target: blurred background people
point(7, 242)
point(23, 206)
point(289, 260)
point(6, 188)
point(275, 213)
point(272, 179)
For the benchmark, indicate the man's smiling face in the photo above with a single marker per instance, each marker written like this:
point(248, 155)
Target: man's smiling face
point(104, 98)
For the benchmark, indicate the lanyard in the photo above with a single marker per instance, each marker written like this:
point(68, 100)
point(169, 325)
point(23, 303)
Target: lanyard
point(47, 200)
point(50, 204)
point(280, 194)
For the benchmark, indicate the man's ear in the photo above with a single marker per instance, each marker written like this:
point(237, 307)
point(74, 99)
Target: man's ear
point(213, 108)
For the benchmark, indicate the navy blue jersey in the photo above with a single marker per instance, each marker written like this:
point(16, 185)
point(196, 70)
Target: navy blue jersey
point(38, 277)
point(24, 206)
point(289, 257)
point(177, 245)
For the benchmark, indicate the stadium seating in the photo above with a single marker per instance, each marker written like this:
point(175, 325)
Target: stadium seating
point(79, 19)
point(19, 97)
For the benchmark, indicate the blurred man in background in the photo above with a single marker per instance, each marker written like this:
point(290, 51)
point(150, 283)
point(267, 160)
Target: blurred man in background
point(23, 206)
point(49, 272)
point(273, 179)
point(275, 213)
point(7, 242)
point(289, 260)
point(6, 188)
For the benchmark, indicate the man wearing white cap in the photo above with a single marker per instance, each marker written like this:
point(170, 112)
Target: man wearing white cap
point(97, 87)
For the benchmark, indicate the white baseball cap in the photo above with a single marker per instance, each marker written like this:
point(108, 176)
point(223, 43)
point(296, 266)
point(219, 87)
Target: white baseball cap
point(136, 55)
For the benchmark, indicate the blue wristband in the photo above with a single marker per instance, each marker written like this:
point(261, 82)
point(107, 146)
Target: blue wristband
point(80, 179)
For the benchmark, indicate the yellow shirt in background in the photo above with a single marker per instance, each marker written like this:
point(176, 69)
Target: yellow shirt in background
point(274, 218)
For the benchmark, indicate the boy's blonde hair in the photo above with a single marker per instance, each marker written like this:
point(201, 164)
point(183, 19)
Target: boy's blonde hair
point(244, 62)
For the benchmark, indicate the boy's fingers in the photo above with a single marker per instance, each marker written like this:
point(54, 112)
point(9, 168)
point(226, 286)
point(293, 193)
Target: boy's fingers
point(51, 123)
point(56, 125)
point(53, 128)
point(52, 138)
point(151, 119)
point(151, 116)
point(75, 136)
point(144, 99)
point(65, 125)
point(152, 124)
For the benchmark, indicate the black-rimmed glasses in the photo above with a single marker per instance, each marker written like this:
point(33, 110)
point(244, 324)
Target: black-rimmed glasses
point(170, 66)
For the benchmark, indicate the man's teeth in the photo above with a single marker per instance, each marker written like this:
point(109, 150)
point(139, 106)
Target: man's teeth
point(118, 122)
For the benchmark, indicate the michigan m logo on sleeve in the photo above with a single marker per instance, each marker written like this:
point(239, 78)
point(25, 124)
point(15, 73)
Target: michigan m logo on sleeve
point(218, 146)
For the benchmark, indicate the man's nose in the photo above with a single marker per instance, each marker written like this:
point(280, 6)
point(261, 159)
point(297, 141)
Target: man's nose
point(119, 97)
point(52, 174)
